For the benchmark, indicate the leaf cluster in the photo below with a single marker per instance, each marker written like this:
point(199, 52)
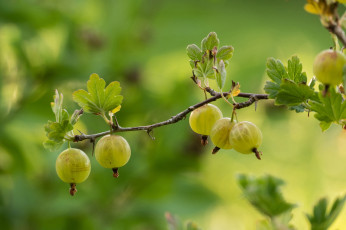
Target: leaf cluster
point(210, 61)
point(265, 195)
point(98, 100)
point(288, 86)
point(61, 129)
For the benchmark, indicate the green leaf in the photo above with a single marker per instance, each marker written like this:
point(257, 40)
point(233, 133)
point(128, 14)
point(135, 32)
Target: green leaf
point(56, 131)
point(276, 70)
point(264, 194)
point(293, 94)
point(57, 106)
point(98, 100)
point(298, 108)
point(294, 70)
point(194, 52)
point(225, 52)
point(321, 218)
point(221, 75)
point(330, 108)
point(75, 116)
point(272, 89)
point(288, 86)
point(210, 42)
point(52, 145)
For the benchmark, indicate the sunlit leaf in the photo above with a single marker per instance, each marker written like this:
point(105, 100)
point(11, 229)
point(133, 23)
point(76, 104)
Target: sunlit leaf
point(98, 99)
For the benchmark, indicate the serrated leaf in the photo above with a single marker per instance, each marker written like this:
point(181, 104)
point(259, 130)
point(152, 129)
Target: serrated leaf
point(298, 108)
point(52, 145)
point(56, 131)
point(272, 89)
point(194, 52)
point(264, 194)
point(98, 100)
point(325, 125)
point(221, 75)
point(292, 94)
point(210, 42)
point(321, 218)
point(225, 52)
point(276, 70)
point(294, 70)
point(331, 108)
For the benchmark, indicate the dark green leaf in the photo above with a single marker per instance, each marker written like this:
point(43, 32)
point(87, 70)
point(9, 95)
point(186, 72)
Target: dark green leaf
point(98, 100)
point(264, 194)
point(225, 52)
point(194, 52)
point(292, 94)
point(298, 108)
point(321, 218)
point(330, 108)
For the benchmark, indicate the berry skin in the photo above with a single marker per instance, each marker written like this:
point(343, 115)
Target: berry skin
point(328, 67)
point(245, 137)
point(203, 118)
point(220, 133)
point(112, 151)
point(73, 166)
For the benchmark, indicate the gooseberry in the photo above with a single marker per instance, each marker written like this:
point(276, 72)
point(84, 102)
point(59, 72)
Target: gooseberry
point(219, 134)
point(203, 118)
point(245, 137)
point(112, 151)
point(73, 166)
point(328, 67)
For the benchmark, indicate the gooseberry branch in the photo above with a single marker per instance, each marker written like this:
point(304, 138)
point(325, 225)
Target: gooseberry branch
point(180, 116)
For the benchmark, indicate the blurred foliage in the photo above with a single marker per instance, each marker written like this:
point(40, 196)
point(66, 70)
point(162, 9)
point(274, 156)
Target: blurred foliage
point(48, 45)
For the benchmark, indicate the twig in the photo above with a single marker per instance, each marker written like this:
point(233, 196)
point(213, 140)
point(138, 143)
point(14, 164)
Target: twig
point(178, 117)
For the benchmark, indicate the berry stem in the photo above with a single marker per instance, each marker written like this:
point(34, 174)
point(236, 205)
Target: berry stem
point(257, 153)
point(204, 140)
point(215, 150)
point(73, 189)
point(115, 172)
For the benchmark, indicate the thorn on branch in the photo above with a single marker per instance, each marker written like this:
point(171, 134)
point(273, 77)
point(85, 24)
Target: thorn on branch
point(92, 140)
point(150, 132)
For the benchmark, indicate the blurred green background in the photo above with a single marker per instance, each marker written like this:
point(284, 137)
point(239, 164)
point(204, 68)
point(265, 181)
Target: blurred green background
point(47, 45)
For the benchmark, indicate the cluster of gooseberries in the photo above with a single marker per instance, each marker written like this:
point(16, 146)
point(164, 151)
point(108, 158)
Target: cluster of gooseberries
point(225, 133)
point(73, 165)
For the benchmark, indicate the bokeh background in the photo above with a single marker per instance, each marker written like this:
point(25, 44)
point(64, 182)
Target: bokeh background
point(47, 45)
